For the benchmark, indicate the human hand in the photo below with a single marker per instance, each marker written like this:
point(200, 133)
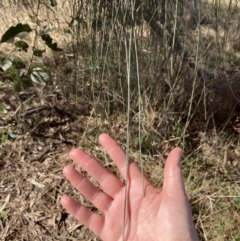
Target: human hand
point(157, 215)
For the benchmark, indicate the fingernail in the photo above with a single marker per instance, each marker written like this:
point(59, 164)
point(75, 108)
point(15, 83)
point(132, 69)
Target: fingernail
point(73, 153)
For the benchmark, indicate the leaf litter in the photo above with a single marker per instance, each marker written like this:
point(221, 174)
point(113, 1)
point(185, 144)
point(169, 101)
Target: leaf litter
point(31, 164)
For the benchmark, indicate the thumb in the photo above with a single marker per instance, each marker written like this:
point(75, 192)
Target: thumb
point(173, 186)
point(173, 183)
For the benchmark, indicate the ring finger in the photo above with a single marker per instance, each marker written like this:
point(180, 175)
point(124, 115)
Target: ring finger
point(96, 196)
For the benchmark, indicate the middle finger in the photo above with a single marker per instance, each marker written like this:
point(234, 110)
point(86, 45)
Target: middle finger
point(108, 181)
point(96, 196)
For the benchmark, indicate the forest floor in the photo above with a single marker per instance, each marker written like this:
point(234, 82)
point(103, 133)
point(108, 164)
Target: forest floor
point(39, 126)
point(35, 144)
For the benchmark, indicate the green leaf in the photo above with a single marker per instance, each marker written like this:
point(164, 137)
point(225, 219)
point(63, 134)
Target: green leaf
point(22, 46)
point(4, 214)
point(4, 138)
point(32, 18)
point(20, 31)
point(27, 82)
point(17, 80)
point(49, 42)
point(97, 24)
point(5, 64)
point(36, 65)
point(13, 135)
point(19, 64)
point(1, 109)
point(38, 52)
point(17, 86)
point(53, 3)
point(38, 76)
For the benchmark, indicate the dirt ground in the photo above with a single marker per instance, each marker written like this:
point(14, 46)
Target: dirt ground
point(31, 163)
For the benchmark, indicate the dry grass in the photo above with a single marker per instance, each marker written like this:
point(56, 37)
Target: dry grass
point(32, 183)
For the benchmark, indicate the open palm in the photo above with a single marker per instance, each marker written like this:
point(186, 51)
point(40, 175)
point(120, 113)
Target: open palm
point(150, 215)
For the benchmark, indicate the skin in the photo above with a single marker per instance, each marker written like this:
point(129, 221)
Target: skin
point(157, 215)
